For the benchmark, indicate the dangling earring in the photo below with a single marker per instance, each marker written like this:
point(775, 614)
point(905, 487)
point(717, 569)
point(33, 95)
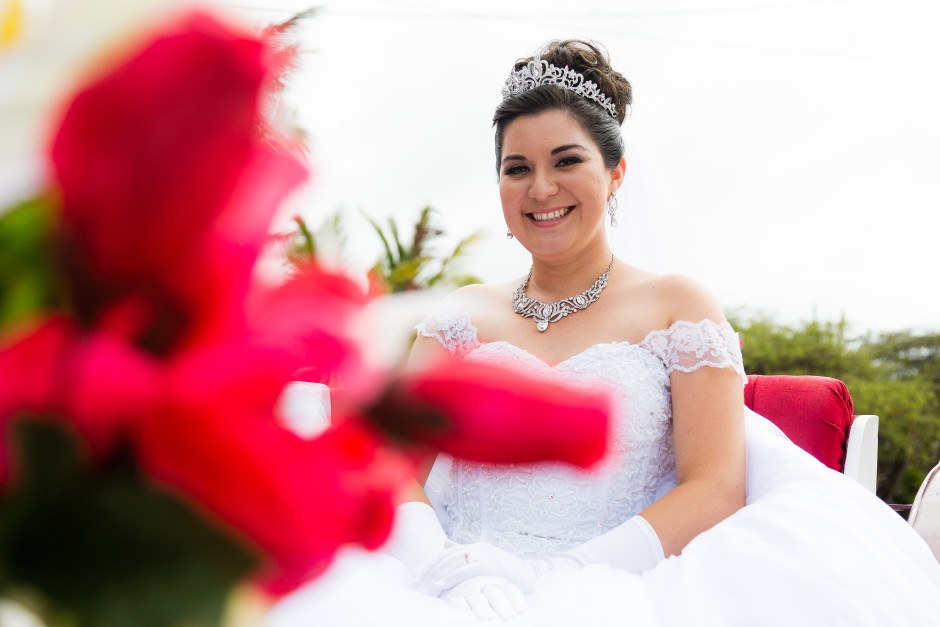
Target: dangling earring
point(508, 233)
point(612, 208)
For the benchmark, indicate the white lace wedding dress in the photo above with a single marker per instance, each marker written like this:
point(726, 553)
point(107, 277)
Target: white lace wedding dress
point(811, 547)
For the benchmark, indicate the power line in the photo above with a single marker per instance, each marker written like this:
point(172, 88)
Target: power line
point(762, 47)
point(554, 20)
point(462, 15)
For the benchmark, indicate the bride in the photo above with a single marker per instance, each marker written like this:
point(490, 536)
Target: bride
point(703, 513)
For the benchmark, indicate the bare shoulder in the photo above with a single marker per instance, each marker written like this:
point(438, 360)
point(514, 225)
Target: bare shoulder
point(679, 297)
point(479, 299)
point(471, 300)
point(477, 291)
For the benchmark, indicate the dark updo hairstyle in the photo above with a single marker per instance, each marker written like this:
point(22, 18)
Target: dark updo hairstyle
point(591, 61)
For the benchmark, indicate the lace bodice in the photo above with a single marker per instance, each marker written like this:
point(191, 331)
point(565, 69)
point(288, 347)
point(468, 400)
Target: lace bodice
point(534, 510)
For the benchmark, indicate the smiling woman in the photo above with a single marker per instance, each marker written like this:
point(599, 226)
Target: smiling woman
point(697, 498)
point(554, 185)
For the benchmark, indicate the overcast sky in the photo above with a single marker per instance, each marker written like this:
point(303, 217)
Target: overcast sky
point(785, 153)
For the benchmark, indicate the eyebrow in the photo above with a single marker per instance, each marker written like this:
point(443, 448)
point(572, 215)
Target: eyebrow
point(555, 151)
point(566, 147)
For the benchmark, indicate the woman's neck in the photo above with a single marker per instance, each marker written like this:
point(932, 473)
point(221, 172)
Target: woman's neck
point(554, 280)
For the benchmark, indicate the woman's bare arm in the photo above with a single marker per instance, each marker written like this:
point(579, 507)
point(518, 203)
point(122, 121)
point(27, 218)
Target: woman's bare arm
point(708, 431)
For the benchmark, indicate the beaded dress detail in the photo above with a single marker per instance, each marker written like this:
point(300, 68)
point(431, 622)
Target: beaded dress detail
point(536, 510)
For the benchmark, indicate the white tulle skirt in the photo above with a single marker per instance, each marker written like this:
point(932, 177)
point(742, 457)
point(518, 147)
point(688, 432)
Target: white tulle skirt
point(812, 547)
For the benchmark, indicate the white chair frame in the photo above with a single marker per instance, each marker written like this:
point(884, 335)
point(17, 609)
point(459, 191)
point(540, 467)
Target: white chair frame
point(861, 451)
point(925, 511)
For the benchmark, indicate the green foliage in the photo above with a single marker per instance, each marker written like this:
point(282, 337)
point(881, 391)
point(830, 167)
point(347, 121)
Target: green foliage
point(305, 245)
point(76, 537)
point(301, 246)
point(904, 354)
point(403, 267)
point(815, 348)
point(908, 434)
point(895, 376)
point(28, 276)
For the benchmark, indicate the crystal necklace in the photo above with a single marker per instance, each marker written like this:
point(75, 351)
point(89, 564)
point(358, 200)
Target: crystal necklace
point(544, 313)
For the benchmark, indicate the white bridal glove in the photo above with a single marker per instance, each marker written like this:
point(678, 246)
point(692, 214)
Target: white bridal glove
point(632, 546)
point(418, 541)
point(461, 562)
point(487, 597)
point(416, 538)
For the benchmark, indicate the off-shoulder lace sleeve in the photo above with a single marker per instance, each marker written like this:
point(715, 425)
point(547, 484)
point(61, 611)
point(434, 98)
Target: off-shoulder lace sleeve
point(688, 346)
point(452, 328)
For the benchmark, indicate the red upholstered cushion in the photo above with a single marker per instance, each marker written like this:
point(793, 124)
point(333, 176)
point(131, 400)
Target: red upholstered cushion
point(814, 412)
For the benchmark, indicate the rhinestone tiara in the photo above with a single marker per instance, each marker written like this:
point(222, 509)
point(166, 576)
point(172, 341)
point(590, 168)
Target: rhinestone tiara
point(539, 72)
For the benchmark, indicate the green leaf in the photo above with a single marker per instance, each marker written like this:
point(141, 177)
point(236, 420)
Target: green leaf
point(389, 253)
point(424, 232)
point(102, 546)
point(30, 280)
point(404, 275)
point(415, 268)
point(308, 244)
point(444, 274)
point(403, 253)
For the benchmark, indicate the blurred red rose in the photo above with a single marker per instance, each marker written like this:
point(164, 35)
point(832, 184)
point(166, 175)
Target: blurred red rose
point(167, 187)
point(481, 412)
point(214, 438)
point(307, 319)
